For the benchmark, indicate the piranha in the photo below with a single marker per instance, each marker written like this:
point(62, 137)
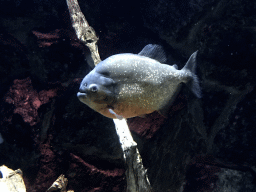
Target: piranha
point(128, 85)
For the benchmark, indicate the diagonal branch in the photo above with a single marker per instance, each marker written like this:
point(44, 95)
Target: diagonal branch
point(136, 175)
point(84, 32)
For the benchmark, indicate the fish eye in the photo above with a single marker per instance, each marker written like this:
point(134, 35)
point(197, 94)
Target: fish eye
point(93, 88)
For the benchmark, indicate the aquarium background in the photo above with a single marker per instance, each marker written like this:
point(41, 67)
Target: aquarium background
point(205, 145)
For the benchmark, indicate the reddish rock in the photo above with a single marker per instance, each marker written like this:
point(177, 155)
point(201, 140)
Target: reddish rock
point(48, 169)
point(26, 100)
point(85, 177)
point(56, 36)
point(202, 175)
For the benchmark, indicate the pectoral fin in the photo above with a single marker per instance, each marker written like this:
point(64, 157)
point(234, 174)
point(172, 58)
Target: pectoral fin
point(117, 116)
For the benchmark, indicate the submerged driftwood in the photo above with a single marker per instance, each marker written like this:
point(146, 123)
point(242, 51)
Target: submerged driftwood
point(136, 176)
point(11, 181)
point(60, 185)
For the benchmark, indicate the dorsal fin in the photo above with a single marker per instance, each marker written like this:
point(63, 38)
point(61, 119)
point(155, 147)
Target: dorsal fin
point(154, 52)
point(175, 66)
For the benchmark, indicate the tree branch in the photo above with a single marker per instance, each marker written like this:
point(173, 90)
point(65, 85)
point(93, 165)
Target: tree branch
point(136, 176)
point(84, 32)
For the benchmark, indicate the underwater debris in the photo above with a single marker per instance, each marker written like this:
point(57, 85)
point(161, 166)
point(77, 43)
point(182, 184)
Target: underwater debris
point(11, 181)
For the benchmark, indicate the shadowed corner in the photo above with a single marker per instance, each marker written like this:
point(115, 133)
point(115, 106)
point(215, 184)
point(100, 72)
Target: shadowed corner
point(201, 176)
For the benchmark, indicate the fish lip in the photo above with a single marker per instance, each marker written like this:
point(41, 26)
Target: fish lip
point(81, 95)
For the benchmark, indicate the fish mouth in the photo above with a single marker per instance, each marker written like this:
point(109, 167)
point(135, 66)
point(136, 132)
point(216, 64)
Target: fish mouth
point(81, 95)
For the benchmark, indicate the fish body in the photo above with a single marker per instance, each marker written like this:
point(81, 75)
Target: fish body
point(128, 85)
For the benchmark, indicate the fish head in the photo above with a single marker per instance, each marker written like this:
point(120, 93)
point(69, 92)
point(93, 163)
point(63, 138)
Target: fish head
point(96, 89)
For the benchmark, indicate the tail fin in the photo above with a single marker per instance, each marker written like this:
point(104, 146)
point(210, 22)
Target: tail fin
point(191, 67)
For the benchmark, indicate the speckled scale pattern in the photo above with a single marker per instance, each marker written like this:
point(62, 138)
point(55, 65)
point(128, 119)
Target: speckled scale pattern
point(140, 85)
point(142, 79)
